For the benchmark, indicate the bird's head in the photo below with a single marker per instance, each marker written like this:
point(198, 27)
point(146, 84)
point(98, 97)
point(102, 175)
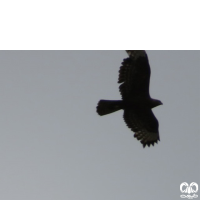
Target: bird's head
point(155, 103)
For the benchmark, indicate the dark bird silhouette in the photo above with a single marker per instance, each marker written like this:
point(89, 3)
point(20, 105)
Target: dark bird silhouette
point(134, 76)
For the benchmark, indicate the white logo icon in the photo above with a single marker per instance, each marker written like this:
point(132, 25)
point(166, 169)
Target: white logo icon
point(189, 189)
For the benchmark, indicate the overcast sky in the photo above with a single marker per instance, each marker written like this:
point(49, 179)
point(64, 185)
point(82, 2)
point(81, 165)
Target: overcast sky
point(53, 145)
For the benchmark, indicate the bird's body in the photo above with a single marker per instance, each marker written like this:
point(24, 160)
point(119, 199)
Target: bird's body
point(134, 76)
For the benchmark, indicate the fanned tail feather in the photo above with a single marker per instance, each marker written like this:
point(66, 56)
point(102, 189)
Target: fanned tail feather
point(105, 107)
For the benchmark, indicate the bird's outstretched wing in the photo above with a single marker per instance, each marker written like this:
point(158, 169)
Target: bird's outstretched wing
point(145, 125)
point(134, 74)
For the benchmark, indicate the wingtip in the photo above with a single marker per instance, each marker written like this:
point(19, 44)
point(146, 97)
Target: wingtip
point(136, 53)
point(149, 144)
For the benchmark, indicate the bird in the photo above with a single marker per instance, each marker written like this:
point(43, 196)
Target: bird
point(136, 102)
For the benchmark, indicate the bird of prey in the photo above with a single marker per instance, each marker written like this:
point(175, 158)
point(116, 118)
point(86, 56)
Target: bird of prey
point(134, 76)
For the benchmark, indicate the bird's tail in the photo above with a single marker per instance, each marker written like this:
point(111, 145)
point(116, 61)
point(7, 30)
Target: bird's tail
point(105, 107)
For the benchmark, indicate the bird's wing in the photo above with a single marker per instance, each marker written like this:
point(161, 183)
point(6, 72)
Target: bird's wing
point(145, 125)
point(134, 74)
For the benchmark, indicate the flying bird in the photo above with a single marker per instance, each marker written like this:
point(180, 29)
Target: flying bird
point(134, 77)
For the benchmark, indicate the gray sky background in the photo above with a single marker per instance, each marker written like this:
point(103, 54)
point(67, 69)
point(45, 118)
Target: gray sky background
point(53, 145)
